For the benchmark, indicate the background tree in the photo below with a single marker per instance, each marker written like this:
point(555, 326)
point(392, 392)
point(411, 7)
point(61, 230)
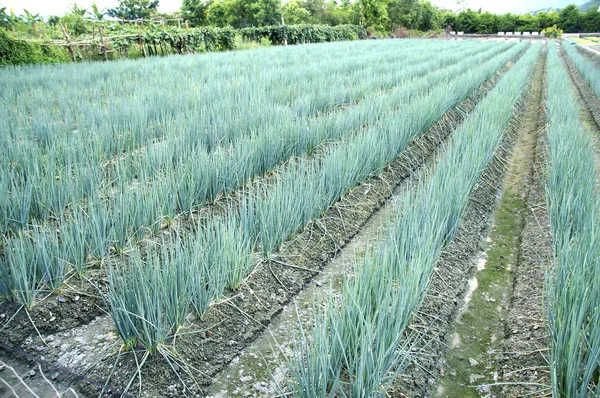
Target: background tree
point(546, 19)
point(402, 13)
point(7, 20)
point(244, 13)
point(467, 21)
point(527, 23)
point(507, 22)
point(195, 11)
point(134, 9)
point(75, 21)
point(96, 14)
point(447, 18)
point(316, 8)
point(240, 13)
point(430, 19)
point(30, 18)
point(53, 20)
point(266, 12)
point(570, 19)
point(591, 20)
point(487, 23)
point(374, 14)
point(294, 13)
point(347, 12)
point(215, 14)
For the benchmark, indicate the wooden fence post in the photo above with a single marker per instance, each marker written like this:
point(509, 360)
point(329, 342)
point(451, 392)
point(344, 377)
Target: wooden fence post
point(143, 47)
point(103, 48)
point(285, 39)
point(66, 35)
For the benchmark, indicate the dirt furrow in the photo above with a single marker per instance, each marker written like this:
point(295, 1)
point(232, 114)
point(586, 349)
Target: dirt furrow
point(460, 346)
point(239, 321)
point(524, 349)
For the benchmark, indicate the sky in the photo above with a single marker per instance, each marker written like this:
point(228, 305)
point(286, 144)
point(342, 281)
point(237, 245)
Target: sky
point(504, 6)
point(60, 7)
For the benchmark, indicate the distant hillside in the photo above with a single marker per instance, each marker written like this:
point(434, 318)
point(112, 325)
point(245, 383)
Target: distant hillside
point(549, 9)
point(586, 6)
point(583, 7)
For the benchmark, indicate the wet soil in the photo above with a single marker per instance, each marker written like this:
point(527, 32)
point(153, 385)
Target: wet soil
point(453, 339)
point(526, 335)
point(261, 367)
point(19, 379)
point(79, 302)
point(475, 361)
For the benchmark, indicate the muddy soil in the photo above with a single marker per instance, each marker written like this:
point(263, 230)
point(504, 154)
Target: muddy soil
point(486, 340)
point(79, 303)
point(526, 338)
point(261, 367)
point(23, 380)
point(453, 284)
point(234, 323)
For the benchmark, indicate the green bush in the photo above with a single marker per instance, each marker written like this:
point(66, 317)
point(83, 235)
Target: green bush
point(19, 52)
point(553, 32)
point(160, 40)
point(298, 34)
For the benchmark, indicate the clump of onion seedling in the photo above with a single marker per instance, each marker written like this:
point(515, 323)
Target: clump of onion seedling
point(573, 209)
point(358, 341)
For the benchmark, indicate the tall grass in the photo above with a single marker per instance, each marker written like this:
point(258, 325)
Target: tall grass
point(151, 293)
point(271, 215)
point(359, 339)
point(107, 224)
point(306, 190)
point(572, 282)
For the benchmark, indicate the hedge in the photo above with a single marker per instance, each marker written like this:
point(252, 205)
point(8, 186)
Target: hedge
point(19, 52)
point(178, 40)
point(299, 34)
point(162, 40)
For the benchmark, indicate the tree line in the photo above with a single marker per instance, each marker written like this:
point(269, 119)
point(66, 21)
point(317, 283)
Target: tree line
point(380, 16)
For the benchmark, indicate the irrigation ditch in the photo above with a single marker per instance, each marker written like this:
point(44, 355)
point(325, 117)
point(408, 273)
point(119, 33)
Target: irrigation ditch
point(86, 342)
point(500, 315)
point(459, 317)
point(524, 349)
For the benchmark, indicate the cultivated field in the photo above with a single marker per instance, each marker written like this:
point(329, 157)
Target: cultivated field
point(363, 219)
